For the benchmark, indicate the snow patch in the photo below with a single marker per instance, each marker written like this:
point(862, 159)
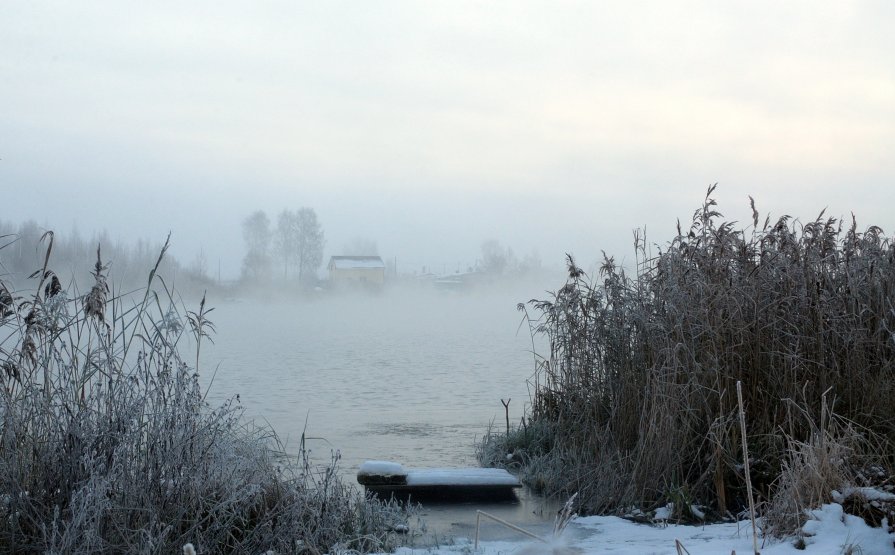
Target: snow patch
point(697, 512)
point(461, 477)
point(870, 494)
point(830, 530)
point(833, 532)
point(381, 468)
point(664, 513)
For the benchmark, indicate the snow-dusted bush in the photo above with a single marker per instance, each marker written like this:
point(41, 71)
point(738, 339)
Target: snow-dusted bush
point(107, 443)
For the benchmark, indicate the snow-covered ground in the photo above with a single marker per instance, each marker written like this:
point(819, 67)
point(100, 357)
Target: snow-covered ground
point(830, 531)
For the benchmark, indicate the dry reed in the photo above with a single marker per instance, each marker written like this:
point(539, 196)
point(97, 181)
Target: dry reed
point(635, 403)
point(107, 445)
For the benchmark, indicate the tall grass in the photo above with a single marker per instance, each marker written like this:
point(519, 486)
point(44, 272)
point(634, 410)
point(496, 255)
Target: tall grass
point(107, 444)
point(636, 402)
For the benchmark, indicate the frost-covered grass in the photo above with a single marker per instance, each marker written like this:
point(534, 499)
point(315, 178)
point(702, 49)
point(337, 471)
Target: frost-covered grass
point(107, 444)
point(635, 404)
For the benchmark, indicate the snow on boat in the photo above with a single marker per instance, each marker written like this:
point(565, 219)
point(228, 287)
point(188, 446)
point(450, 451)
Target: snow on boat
point(389, 479)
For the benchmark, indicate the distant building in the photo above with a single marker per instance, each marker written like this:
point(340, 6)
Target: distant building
point(356, 270)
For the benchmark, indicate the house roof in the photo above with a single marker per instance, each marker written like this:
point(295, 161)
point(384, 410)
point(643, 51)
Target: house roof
point(355, 262)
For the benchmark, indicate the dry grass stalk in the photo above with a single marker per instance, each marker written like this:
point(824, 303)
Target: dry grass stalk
point(839, 461)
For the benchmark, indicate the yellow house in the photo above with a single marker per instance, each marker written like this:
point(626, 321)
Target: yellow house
point(356, 270)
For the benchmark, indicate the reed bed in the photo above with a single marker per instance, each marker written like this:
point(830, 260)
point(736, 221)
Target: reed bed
point(635, 404)
point(108, 446)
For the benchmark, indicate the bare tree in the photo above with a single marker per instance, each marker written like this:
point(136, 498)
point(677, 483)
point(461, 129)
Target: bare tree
point(299, 242)
point(309, 243)
point(257, 235)
point(496, 258)
point(286, 238)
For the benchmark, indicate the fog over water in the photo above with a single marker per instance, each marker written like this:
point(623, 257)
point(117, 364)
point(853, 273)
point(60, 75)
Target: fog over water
point(412, 375)
point(431, 127)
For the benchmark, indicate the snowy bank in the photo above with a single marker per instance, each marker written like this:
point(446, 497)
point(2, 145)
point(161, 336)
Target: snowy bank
point(830, 531)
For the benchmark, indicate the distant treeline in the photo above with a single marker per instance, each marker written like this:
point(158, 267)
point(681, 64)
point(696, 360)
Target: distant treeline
point(292, 249)
point(73, 256)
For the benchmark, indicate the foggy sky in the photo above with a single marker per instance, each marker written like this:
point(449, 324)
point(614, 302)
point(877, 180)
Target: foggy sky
point(430, 127)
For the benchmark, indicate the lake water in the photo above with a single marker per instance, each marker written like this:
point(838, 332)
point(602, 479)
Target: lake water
point(414, 376)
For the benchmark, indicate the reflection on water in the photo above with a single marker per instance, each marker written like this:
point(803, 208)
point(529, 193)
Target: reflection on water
point(531, 512)
point(414, 430)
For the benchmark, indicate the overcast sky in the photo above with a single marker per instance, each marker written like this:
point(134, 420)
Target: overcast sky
point(431, 126)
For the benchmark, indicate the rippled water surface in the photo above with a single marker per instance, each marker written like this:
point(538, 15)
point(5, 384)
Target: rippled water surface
point(411, 376)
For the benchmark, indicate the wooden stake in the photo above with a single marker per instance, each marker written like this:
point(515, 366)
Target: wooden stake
point(746, 467)
point(506, 408)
